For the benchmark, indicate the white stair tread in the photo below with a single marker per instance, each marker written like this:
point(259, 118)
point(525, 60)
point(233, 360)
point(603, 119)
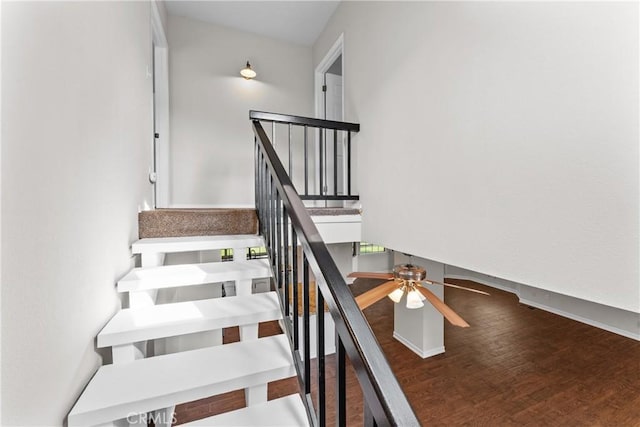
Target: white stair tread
point(143, 385)
point(167, 320)
point(167, 276)
point(196, 243)
point(286, 411)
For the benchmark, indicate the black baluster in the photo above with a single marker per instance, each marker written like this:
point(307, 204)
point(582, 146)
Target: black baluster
point(279, 242)
point(306, 162)
point(287, 269)
point(322, 416)
point(306, 325)
point(296, 315)
point(272, 203)
point(321, 171)
point(341, 384)
point(258, 186)
point(256, 174)
point(349, 163)
point(262, 195)
point(264, 199)
point(335, 162)
point(290, 155)
point(268, 209)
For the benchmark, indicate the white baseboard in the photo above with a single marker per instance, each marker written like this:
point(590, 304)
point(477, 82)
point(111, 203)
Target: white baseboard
point(422, 353)
point(581, 319)
point(516, 289)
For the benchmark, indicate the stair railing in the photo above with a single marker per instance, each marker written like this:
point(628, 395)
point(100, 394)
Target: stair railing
point(330, 157)
point(285, 225)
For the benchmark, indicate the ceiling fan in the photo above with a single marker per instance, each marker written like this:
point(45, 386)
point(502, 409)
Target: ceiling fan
point(409, 279)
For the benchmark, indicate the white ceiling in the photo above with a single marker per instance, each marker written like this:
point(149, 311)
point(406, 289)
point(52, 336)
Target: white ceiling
point(299, 22)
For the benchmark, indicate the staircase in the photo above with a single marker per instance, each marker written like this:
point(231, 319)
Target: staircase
point(134, 385)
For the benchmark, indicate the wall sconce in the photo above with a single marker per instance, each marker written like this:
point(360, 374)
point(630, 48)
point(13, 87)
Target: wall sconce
point(247, 72)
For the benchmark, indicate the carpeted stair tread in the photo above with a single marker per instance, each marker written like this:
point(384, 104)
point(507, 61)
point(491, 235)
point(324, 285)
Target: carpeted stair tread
point(196, 222)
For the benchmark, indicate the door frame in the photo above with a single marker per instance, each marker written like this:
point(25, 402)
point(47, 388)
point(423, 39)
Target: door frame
point(332, 54)
point(161, 109)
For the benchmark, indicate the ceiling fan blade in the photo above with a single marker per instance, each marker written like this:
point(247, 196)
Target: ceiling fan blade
point(443, 308)
point(367, 275)
point(376, 294)
point(451, 285)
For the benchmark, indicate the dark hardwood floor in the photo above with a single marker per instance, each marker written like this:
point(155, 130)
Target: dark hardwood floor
point(514, 366)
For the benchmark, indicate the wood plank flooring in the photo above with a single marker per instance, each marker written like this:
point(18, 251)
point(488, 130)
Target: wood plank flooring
point(515, 366)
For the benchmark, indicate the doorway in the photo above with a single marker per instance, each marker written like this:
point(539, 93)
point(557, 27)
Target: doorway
point(332, 91)
point(329, 92)
point(159, 173)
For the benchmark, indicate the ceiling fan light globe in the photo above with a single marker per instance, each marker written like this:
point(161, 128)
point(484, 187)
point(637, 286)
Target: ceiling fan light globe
point(414, 300)
point(396, 295)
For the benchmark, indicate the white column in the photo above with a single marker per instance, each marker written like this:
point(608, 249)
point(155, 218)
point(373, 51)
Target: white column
point(422, 329)
point(147, 298)
point(163, 417)
point(244, 287)
point(240, 254)
point(255, 395)
point(249, 332)
point(128, 352)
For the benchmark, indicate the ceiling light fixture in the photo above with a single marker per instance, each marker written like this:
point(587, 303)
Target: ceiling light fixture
point(409, 279)
point(247, 72)
point(414, 300)
point(397, 295)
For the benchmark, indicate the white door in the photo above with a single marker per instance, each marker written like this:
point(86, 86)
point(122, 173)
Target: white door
point(333, 111)
point(333, 97)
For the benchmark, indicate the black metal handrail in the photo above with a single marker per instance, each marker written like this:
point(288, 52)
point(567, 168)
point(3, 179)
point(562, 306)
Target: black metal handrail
point(303, 121)
point(334, 183)
point(284, 222)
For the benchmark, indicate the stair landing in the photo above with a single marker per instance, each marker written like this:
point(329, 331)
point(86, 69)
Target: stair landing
point(336, 225)
point(196, 222)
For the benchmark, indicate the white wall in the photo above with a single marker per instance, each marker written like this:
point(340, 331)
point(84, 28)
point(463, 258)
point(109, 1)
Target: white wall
point(375, 262)
point(76, 139)
point(513, 128)
point(342, 256)
point(211, 136)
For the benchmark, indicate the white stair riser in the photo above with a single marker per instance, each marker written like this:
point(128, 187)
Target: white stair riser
point(195, 243)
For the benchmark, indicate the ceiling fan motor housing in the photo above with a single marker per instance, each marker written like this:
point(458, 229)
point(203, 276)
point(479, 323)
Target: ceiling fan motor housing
point(409, 272)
